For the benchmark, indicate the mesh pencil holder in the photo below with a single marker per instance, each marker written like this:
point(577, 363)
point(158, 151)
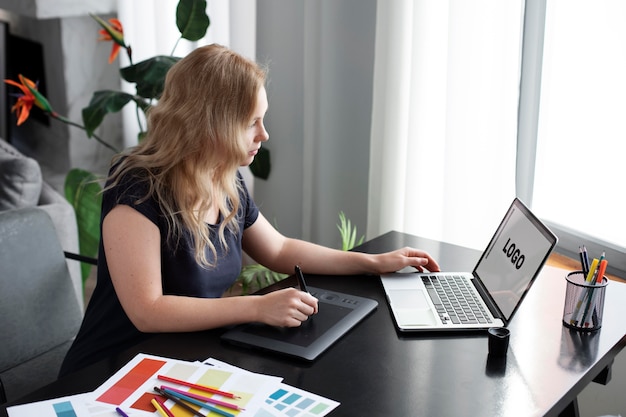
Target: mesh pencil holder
point(584, 302)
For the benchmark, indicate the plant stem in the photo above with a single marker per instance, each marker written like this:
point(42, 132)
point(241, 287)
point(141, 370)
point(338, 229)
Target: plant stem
point(137, 114)
point(96, 137)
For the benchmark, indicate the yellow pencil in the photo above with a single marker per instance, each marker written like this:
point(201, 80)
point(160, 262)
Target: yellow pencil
point(588, 279)
point(592, 269)
point(160, 409)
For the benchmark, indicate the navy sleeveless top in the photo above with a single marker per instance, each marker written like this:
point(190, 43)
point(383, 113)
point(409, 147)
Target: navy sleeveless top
point(106, 329)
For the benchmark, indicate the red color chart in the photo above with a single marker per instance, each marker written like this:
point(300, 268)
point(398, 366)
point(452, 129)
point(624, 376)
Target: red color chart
point(130, 382)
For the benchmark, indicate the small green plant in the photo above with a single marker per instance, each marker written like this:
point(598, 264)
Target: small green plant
point(257, 276)
point(348, 233)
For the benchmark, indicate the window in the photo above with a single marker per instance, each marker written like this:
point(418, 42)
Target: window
point(581, 136)
point(475, 101)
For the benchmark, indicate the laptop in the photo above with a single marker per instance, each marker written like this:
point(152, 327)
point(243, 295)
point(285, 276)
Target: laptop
point(491, 293)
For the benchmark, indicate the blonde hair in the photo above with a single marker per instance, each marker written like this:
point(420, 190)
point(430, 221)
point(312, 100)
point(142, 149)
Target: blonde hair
point(196, 131)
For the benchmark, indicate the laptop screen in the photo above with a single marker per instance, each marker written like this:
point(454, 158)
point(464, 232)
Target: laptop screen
point(514, 257)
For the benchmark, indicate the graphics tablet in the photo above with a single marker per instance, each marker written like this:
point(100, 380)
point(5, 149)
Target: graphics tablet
point(337, 314)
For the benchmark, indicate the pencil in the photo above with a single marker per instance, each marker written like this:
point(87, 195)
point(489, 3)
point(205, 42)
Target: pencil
point(121, 412)
point(197, 386)
point(188, 399)
point(158, 407)
point(179, 402)
point(203, 398)
point(592, 300)
point(583, 264)
point(164, 407)
point(601, 271)
point(592, 270)
point(586, 260)
point(584, 320)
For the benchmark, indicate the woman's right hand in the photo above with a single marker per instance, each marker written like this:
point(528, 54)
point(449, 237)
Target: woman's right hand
point(288, 307)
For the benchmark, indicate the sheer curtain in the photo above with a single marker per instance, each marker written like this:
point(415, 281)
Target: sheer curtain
point(444, 118)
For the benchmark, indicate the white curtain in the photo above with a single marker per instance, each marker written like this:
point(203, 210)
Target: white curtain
point(443, 143)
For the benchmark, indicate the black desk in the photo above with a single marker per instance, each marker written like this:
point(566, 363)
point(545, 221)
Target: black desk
point(375, 371)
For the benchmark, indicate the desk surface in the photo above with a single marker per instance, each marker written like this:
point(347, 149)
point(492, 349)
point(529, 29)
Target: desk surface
point(374, 369)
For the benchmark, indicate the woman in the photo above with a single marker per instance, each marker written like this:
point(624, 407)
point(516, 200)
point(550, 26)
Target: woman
point(176, 216)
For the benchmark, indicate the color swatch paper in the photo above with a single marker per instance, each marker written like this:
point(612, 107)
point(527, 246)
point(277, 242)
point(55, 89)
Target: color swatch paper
point(132, 389)
point(286, 400)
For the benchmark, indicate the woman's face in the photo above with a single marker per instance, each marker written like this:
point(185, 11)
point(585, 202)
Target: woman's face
point(255, 132)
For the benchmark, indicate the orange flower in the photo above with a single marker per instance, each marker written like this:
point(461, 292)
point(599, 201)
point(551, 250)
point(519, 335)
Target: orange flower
point(25, 101)
point(112, 31)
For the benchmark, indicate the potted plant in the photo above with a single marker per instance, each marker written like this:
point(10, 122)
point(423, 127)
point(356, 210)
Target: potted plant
point(82, 188)
point(254, 276)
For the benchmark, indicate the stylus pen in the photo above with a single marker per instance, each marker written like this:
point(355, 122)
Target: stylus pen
point(301, 282)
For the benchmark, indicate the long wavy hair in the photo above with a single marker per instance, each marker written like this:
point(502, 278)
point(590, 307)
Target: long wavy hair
point(195, 143)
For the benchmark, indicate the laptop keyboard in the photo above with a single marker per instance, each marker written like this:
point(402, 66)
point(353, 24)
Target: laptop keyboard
point(455, 300)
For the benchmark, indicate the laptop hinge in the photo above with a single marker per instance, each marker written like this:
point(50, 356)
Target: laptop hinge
point(484, 294)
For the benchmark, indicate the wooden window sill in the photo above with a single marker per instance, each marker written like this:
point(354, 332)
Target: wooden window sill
point(562, 261)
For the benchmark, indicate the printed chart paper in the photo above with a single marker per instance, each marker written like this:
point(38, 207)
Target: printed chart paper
point(131, 389)
point(287, 401)
point(72, 406)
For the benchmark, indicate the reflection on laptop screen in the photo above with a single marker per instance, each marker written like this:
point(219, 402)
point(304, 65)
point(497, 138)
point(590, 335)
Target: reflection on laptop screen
point(512, 258)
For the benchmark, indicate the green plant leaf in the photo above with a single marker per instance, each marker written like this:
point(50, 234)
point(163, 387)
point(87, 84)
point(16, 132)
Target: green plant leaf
point(261, 166)
point(149, 75)
point(83, 192)
point(256, 276)
point(103, 102)
point(191, 19)
point(348, 233)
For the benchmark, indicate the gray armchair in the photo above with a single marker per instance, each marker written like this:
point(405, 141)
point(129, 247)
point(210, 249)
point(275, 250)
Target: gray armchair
point(22, 185)
point(39, 311)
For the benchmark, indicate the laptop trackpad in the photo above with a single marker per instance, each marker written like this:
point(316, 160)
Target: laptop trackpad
point(412, 308)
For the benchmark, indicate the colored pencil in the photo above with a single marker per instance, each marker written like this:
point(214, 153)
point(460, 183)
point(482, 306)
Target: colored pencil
point(203, 398)
point(121, 412)
point(158, 407)
point(164, 407)
point(188, 399)
point(179, 402)
point(197, 386)
point(601, 271)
